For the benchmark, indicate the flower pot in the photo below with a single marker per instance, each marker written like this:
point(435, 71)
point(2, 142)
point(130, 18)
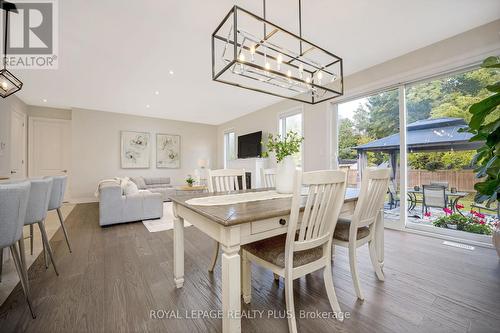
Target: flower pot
point(496, 238)
point(285, 173)
point(451, 226)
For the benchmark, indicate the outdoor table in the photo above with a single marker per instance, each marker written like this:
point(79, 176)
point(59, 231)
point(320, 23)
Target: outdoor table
point(454, 197)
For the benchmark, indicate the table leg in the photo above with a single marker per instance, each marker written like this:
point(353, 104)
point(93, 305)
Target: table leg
point(231, 289)
point(179, 252)
point(379, 238)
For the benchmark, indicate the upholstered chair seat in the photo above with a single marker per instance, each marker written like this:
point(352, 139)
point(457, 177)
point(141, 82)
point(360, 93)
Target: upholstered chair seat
point(273, 250)
point(342, 230)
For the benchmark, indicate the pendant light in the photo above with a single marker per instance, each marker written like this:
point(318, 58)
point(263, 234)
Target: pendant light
point(252, 53)
point(9, 83)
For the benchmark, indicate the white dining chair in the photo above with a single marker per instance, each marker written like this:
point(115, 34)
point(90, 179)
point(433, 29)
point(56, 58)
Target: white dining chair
point(307, 245)
point(224, 180)
point(268, 177)
point(359, 229)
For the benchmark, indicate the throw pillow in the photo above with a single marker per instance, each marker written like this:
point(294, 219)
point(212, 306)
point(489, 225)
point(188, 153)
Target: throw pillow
point(130, 188)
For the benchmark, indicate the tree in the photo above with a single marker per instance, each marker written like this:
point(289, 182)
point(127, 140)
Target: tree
point(348, 138)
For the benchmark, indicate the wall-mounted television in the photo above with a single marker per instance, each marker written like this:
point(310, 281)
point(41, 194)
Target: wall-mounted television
point(249, 145)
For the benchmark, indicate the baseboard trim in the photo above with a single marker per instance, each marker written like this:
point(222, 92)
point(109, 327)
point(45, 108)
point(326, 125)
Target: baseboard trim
point(83, 200)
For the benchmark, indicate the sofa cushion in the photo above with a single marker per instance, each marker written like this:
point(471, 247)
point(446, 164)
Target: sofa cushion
point(156, 180)
point(139, 181)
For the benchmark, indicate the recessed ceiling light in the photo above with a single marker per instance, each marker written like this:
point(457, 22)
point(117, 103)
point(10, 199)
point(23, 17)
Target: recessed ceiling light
point(171, 72)
point(148, 106)
point(44, 100)
point(157, 92)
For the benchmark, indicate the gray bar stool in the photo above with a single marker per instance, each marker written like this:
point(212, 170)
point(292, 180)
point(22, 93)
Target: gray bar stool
point(13, 203)
point(38, 205)
point(56, 200)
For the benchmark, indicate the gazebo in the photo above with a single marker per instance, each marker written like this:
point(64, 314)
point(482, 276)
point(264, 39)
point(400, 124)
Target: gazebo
point(440, 134)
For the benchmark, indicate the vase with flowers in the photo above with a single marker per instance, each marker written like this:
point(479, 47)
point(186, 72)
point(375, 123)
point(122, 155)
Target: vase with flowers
point(284, 148)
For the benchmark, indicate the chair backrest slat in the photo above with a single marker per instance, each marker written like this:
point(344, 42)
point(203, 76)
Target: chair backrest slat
point(322, 207)
point(371, 198)
point(268, 177)
point(225, 180)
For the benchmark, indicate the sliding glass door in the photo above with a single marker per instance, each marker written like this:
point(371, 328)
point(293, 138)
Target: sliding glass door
point(440, 162)
point(368, 136)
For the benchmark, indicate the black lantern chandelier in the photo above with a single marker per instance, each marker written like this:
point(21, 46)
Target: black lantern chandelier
point(9, 84)
point(252, 53)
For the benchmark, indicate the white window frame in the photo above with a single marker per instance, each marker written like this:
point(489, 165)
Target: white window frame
point(225, 145)
point(289, 113)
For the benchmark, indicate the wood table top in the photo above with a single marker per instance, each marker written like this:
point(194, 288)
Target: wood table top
point(234, 214)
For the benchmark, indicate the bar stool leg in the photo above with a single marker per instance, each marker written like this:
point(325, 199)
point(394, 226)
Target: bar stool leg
point(45, 239)
point(63, 228)
point(23, 276)
point(31, 239)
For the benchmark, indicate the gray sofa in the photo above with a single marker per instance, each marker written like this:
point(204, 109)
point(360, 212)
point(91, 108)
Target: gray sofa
point(114, 207)
point(156, 185)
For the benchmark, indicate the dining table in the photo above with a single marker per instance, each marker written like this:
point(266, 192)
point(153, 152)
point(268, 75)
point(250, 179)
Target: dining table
point(236, 224)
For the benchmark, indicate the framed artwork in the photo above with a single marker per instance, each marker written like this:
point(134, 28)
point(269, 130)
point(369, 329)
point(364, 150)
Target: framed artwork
point(135, 150)
point(168, 151)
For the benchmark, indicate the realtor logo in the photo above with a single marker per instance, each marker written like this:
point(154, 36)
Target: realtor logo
point(33, 35)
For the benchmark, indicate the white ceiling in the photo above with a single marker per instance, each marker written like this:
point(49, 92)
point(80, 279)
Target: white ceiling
point(113, 55)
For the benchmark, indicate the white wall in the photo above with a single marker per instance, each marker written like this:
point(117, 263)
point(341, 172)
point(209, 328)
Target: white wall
point(96, 148)
point(6, 107)
point(465, 49)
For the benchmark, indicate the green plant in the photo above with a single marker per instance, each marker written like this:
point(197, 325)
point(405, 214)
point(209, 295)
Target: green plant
point(471, 224)
point(190, 180)
point(488, 130)
point(283, 147)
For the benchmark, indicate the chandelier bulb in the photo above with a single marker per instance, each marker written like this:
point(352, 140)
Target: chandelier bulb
point(319, 76)
point(267, 66)
point(252, 52)
point(279, 59)
point(242, 57)
point(5, 86)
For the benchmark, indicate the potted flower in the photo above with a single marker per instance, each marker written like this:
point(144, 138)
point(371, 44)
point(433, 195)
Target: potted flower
point(190, 180)
point(284, 149)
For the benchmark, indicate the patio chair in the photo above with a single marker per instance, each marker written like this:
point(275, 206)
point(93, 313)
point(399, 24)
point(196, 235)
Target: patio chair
point(393, 195)
point(433, 196)
point(480, 207)
point(446, 185)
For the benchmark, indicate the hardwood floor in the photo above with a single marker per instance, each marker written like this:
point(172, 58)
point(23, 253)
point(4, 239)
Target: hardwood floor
point(117, 275)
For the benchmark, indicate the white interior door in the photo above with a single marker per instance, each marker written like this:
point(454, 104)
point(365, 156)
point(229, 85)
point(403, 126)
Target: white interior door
point(49, 148)
point(18, 145)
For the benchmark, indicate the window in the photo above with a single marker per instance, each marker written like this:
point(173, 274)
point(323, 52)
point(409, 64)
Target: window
point(368, 136)
point(438, 108)
point(229, 147)
point(414, 130)
point(292, 121)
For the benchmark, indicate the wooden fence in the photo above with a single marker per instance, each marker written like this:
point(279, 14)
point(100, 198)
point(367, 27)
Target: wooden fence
point(462, 180)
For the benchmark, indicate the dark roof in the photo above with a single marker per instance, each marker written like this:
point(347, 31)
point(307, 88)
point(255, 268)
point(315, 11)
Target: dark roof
point(429, 134)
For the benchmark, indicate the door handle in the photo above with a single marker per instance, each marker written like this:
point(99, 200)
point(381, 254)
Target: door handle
point(65, 171)
point(12, 171)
